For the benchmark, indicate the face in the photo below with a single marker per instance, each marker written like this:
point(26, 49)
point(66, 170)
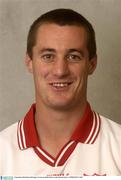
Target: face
point(60, 65)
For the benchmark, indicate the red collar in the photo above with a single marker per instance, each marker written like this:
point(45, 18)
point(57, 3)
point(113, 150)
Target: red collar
point(86, 132)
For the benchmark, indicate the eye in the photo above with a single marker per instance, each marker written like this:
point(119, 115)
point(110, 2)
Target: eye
point(47, 57)
point(74, 57)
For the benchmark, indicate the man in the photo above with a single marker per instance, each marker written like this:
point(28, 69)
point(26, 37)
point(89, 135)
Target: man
point(61, 135)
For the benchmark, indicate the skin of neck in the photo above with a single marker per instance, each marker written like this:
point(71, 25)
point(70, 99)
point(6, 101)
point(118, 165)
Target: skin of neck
point(56, 126)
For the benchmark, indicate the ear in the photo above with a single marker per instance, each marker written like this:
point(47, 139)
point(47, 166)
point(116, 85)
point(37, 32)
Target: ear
point(28, 62)
point(92, 65)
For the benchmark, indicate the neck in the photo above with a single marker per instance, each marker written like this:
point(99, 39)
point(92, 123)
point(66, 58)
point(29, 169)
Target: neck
point(56, 126)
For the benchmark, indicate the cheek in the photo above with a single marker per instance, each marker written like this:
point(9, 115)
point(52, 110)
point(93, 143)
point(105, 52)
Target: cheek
point(81, 75)
point(78, 71)
point(41, 70)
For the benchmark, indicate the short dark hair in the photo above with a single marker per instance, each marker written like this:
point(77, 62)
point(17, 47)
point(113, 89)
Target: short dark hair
point(63, 17)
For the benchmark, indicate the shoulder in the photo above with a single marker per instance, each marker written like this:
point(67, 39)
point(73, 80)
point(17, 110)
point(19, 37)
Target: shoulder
point(8, 136)
point(111, 131)
point(108, 124)
point(9, 130)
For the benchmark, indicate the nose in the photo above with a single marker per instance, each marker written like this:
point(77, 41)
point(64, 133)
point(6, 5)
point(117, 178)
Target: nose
point(61, 68)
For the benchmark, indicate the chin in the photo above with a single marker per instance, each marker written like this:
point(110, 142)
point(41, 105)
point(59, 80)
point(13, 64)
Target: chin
point(61, 106)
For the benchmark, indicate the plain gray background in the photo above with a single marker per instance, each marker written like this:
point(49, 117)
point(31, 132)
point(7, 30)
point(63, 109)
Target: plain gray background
point(16, 84)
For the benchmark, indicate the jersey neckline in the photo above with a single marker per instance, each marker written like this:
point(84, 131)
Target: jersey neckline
point(86, 132)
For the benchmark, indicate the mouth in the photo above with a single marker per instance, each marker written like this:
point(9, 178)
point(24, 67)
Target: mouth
point(60, 85)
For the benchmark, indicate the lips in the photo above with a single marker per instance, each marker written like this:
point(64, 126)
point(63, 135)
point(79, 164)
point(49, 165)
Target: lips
point(60, 84)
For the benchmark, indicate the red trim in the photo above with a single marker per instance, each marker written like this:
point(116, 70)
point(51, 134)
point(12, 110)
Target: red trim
point(94, 128)
point(21, 137)
point(94, 121)
point(80, 134)
point(43, 157)
point(98, 127)
point(62, 160)
point(66, 154)
point(47, 154)
point(84, 127)
point(18, 136)
point(32, 138)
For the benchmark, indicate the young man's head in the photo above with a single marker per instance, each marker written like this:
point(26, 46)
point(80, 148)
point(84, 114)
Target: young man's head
point(61, 53)
point(63, 17)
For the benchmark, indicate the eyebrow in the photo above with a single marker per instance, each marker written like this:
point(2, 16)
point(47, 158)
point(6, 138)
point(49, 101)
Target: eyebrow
point(47, 49)
point(68, 50)
point(76, 50)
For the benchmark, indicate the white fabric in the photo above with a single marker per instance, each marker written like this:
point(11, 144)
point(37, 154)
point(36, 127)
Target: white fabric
point(101, 158)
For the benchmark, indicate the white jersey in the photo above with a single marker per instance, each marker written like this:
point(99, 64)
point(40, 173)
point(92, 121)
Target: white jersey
point(93, 149)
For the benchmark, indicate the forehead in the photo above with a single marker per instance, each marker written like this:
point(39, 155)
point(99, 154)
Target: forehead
point(62, 34)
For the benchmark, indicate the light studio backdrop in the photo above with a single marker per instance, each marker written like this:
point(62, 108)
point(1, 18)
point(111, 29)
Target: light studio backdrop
point(16, 84)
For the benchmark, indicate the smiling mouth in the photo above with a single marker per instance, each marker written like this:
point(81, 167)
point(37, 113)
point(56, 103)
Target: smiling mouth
point(60, 84)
